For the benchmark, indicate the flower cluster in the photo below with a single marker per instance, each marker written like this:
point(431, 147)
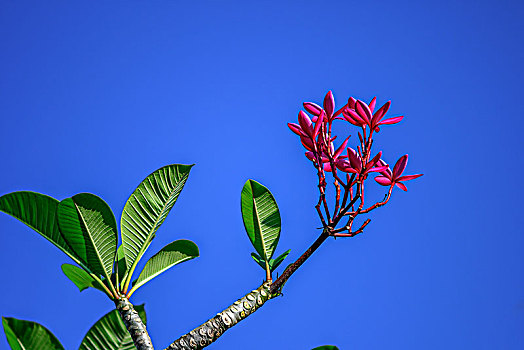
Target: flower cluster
point(348, 166)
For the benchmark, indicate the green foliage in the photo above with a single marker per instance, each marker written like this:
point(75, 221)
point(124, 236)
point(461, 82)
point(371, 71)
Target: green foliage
point(261, 218)
point(37, 211)
point(273, 263)
point(147, 209)
point(89, 227)
point(326, 347)
point(108, 333)
point(120, 266)
point(84, 228)
point(80, 277)
point(262, 223)
point(27, 335)
point(172, 254)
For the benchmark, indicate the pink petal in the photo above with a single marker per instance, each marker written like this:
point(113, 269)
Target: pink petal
point(374, 161)
point(305, 123)
point(312, 108)
point(378, 169)
point(381, 113)
point(372, 104)
point(296, 129)
point(354, 159)
point(401, 186)
point(348, 118)
point(329, 104)
point(400, 166)
point(352, 102)
point(327, 167)
point(390, 121)
point(409, 177)
point(307, 143)
point(343, 165)
point(341, 148)
point(310, 155)
point(351, 113)
point(364, 112)
point(387, 173)
point(382, 180)
point(318, 123)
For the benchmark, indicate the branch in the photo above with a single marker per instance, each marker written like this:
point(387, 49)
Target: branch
point(277, 285)
point(211, 330)
point(350, 234)
point(134, 324)
point(386, 199)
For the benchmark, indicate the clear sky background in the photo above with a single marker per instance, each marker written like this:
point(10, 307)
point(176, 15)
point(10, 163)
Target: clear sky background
point(96, 95)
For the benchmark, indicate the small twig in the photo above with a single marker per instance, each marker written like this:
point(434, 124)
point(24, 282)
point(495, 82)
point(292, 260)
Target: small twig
point(352, 234)
point(386, 199)
point(337, 198)
point(350, 204)
point(319, 211)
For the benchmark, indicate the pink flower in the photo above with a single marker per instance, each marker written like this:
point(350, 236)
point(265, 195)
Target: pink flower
point(312, 108)
point(390, 178)
point(306, 129)
point(325, 159)
point(329, 105)
point(329, 109)
point(355, 165)
point(360, 114)
point(376, 121)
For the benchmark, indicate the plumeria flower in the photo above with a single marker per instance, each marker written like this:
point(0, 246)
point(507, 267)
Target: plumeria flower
point(360, 114)
point(337, 154)
point(329, 105)
point(390, 178)
point(351, 116)
point(329, 109)
point(312, 108)
point(355, 165)
point(305, 127)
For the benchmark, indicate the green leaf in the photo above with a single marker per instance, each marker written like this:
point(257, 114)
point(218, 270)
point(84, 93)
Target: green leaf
point(172, 254)
point(147, 209)
point(110, 333)
point(261, 218)
point(27, 335)
point(89, 227)
point(37, 211)
point(326, 347)
point(274, 263)
point(120, 264)
point(80, 277)
point(259, 260)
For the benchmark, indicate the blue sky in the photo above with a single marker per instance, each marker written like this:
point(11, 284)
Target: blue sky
point(96, 95)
